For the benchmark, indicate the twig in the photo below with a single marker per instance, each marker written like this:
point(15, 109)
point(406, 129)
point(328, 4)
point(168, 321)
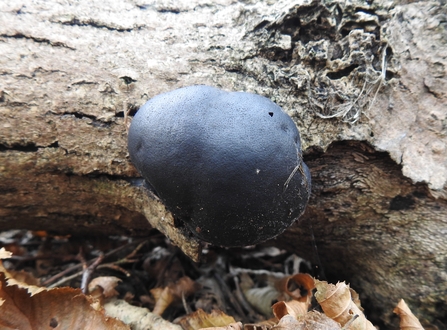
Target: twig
point(88, 272)
point(227, 292)
point(78, 266)
point(349, 323)
point(61, 274)
point(187, 308)
point(115, 267)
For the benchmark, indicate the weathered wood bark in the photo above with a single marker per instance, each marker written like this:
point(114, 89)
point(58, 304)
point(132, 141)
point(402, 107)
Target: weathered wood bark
point(345, 71)
point(362, 205)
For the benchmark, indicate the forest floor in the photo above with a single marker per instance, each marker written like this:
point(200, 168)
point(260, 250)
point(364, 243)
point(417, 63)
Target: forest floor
point(149, 284)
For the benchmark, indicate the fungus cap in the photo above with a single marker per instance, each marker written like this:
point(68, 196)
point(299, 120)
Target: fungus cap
point(227, 164)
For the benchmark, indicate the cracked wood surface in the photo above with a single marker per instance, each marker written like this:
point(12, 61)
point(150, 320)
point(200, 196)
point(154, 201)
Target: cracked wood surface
point(69, 73)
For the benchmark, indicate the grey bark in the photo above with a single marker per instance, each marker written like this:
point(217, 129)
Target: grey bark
point(369, 75)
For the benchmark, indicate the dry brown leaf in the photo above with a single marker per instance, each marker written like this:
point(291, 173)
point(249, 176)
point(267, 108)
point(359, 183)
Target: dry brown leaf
point(163, 299)
point(293, 307)
point(232, 326)
point(336, 302)
point(407, 319)
point(107, 283)
point(298, 287)
point(260, 298)
point(5, 254)
point(288, 322)
point(200, 319)
point(23, 281)
point(22, 277)
point(314, 320)
point(16, 249)
point(63, 308)
point(355, 298)
point(264, 325)
point(173, 293)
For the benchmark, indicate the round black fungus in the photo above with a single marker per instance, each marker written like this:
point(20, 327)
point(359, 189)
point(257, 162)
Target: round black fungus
point(229, 165)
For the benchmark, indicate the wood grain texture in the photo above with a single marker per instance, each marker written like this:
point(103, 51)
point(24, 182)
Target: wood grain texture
point(373, 228)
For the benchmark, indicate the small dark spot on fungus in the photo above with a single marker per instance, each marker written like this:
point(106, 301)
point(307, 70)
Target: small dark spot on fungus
point(231, 174)
point(127, 80)
point(399, 203)
point(53, 323)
